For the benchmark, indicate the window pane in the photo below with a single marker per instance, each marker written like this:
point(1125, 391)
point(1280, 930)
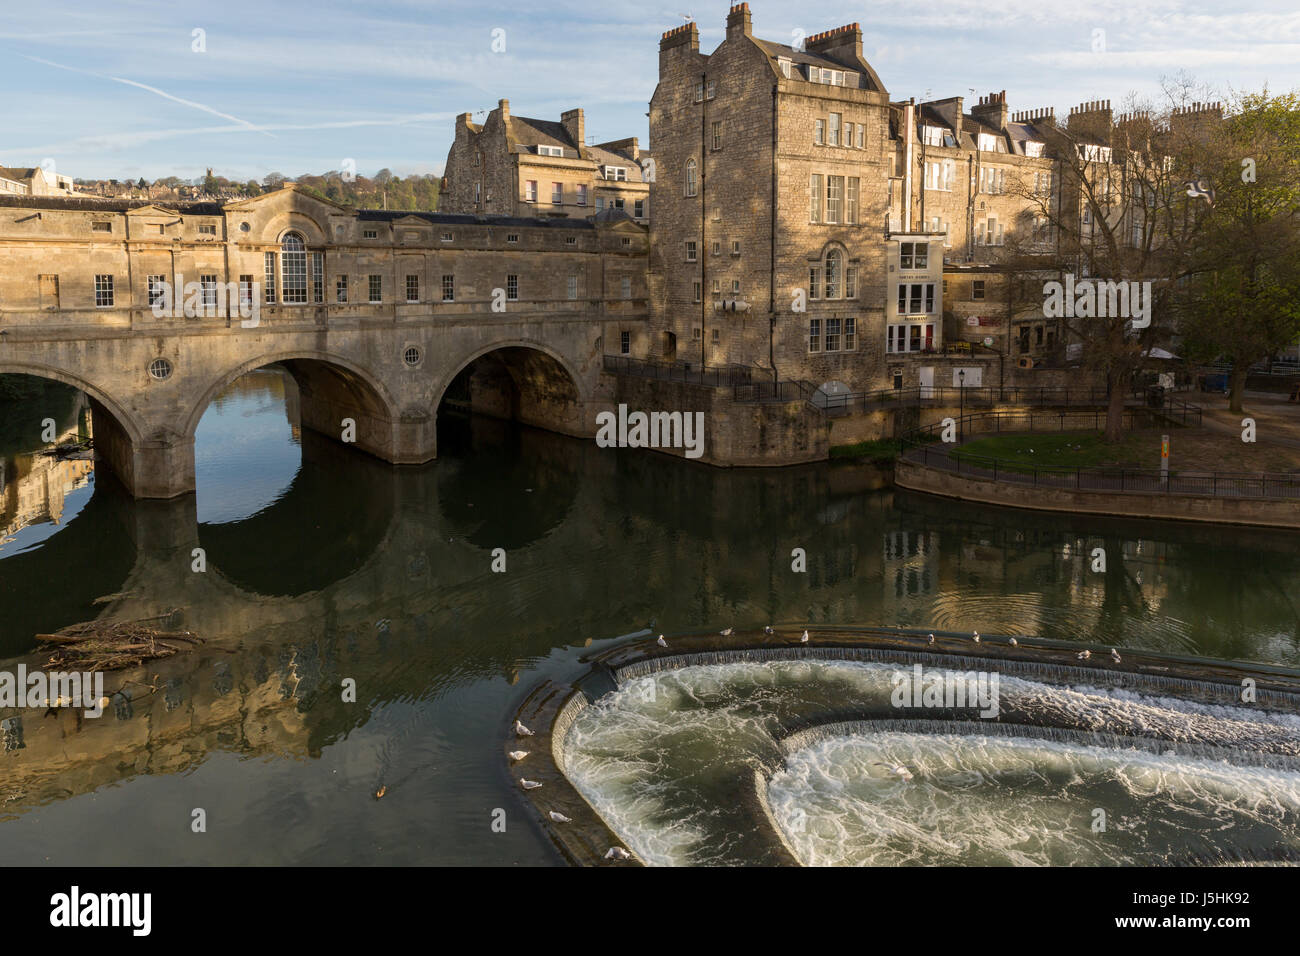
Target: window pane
point(293, 268)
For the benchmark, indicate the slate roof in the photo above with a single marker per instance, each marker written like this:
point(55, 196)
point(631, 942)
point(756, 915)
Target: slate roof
point(109, 205)
point(525, 131)
point(458, 219)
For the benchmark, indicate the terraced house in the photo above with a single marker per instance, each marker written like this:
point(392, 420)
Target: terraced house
point(516, 166)
point(776, 177)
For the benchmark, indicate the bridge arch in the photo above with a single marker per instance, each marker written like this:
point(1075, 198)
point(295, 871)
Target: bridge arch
point(332, 388)
point(520, 379)
point(120, 415)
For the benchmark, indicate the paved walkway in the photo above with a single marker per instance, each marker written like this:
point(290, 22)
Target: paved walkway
point(1277, 421)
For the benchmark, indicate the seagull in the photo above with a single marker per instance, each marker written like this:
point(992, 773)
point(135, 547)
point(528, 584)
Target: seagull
point(803, 638)
point(559, 817)
point(726, 632)
point(661, 642)
point(1012, 641)
point(528, 784)
point(521, 730)
point(617, 853)
point(975, 637)
point(769, 629)
point(1083, 655)
point(1114, 655)
point(1200, 189)
point(517, 755)
point(897, 769)
point(931, 640)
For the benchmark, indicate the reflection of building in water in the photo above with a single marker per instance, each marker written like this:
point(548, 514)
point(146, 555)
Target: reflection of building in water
point(911, 565)
point(33, 487)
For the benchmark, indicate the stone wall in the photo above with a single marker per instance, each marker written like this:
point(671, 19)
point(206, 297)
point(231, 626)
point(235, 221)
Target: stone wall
point(750, 434)
point(1276, 513)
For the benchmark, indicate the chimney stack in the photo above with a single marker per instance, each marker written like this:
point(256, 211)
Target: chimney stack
point(992, 110)
point(739, 22)
point(575, 126)
point(843, 44)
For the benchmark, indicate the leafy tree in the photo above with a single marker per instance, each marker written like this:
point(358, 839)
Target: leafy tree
point(1241, 301)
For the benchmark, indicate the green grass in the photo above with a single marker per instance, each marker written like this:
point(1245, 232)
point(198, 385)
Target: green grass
point(886, 449)
point(1024, 453)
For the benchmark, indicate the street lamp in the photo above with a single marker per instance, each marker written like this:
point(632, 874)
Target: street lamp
point(961, 415)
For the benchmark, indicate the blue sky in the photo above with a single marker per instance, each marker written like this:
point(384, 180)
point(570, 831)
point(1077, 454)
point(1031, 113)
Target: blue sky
point(113, 88)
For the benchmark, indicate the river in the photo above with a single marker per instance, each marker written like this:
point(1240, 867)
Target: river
point(322, 566)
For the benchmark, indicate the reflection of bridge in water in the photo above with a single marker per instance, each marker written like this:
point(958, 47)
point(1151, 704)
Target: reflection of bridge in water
point(384, 576)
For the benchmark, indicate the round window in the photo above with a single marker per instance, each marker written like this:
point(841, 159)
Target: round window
point(243, 227)
point(412, 356)
point(160, 368)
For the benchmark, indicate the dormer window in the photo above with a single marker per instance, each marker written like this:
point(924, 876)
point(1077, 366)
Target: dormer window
point(1033, 149)
point(550, 151)
point(817, 74)
point(615, 172)
point(785, 64)
point(932, 135)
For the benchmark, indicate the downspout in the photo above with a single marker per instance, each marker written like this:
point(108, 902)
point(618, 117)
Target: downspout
point(700, 252)
point(908, 147)
point(771, 282)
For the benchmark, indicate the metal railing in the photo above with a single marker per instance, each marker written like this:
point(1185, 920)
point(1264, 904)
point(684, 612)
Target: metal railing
point(922, 446)
point(762, 392)
point(713, 376)
point(846, 403)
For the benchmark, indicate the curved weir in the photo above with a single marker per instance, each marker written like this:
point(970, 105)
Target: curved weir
point(772, 755)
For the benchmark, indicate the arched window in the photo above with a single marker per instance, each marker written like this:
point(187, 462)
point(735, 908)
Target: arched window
point(691, 182)
point(834, 274)
point(293, 268)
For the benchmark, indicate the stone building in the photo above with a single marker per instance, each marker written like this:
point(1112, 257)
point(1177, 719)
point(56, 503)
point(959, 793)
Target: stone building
point(775, 181)
point(34, 181)
point(377, 314)
point(516, 166)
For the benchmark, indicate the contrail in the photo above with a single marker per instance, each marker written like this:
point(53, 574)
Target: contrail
point(153, 89)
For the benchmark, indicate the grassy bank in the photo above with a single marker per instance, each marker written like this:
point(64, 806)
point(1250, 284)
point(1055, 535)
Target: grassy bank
point(886, 449)
point(1190, 450)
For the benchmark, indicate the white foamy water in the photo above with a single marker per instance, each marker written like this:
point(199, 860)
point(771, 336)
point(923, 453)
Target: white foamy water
point(983, 800)
point(669, 762)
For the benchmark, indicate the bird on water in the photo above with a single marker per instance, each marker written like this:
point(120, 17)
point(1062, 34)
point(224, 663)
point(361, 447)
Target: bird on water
point(661, 642)
point(521, 730)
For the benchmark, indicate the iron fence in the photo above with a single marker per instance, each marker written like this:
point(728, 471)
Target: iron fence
point(714, 376)
point(923, 446)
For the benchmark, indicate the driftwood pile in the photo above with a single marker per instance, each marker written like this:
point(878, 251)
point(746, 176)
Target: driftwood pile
point(103, 646)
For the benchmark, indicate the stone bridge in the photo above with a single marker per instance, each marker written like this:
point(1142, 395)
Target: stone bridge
point(374, 313)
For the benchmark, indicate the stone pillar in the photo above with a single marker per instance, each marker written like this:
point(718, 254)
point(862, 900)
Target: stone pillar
point(160, 466)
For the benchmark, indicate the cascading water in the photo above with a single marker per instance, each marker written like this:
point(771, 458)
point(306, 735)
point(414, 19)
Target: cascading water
point(692, 760)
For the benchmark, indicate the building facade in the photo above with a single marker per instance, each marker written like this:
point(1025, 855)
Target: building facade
point(775, 178)
point(517, 166)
